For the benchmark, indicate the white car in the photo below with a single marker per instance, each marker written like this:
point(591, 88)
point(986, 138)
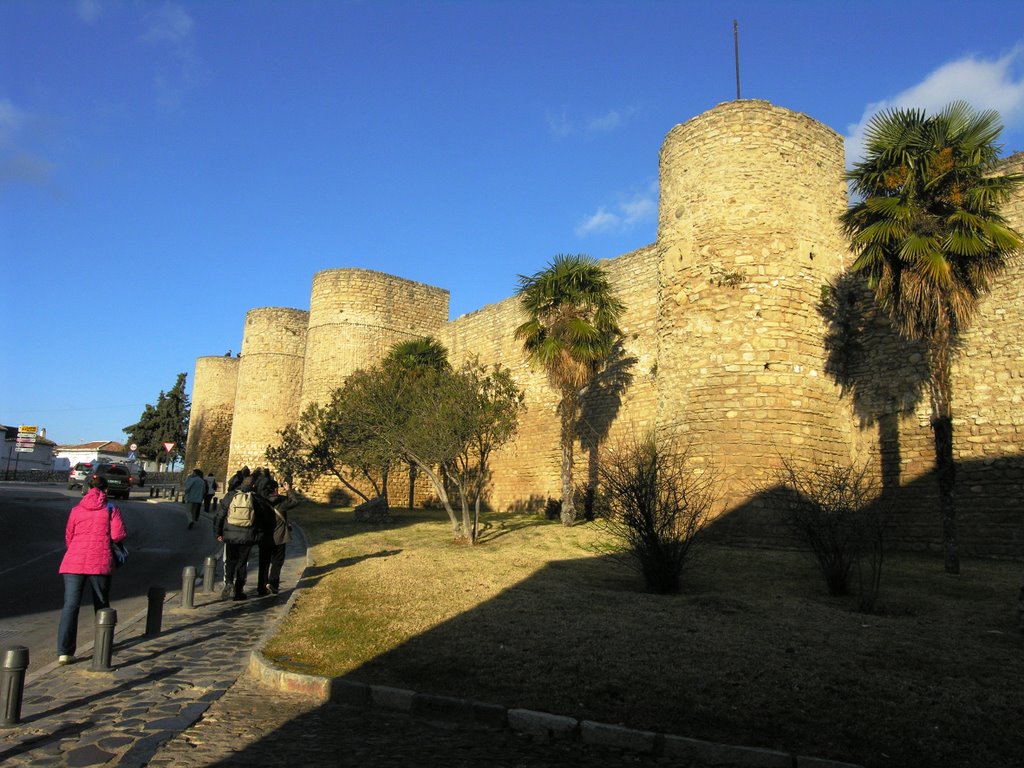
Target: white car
point(79, 475)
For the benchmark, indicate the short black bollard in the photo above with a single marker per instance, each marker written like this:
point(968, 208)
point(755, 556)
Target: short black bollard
point(12, 683)
point(155, 613)
point(214, 503)
point(209, 564)
point(106, 620)
point(188, 587)
point(151, 489)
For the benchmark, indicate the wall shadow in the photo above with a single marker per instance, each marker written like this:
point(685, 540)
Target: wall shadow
point(990, 520)
point(884, 374)
point(599, 409)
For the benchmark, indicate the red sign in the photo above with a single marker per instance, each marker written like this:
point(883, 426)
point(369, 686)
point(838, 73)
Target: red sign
point(168, 447)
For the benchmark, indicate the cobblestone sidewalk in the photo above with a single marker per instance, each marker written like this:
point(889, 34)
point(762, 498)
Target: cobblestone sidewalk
point(158, 687)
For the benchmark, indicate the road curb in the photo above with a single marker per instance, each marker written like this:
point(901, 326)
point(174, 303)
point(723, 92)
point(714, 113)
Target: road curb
point(540, 725)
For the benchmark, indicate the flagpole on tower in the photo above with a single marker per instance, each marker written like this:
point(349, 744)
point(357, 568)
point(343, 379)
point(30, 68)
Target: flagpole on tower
point(736, 48)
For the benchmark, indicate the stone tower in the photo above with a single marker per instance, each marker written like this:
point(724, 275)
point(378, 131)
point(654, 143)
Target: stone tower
point(355, 317)
point(213, 406)
point(748, 235)
point(269, 382)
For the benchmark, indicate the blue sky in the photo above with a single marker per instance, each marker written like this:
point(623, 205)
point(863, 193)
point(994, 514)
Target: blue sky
point(166, 166)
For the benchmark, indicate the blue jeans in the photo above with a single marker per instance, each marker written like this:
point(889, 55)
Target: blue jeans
point(74, 585)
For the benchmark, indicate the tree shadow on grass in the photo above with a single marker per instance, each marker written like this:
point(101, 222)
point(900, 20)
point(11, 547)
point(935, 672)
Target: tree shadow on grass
point(315, 573)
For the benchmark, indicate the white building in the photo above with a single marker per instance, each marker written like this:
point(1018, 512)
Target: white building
point(40, 459)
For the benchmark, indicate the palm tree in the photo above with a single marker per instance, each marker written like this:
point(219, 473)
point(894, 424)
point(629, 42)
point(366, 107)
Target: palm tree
point(928, 234)
point(571, 329)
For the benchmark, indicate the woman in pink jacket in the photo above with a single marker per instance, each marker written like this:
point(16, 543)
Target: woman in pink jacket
point(90, 530)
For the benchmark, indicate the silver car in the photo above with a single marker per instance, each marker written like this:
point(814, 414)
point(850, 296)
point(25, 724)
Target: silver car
point(79, 475)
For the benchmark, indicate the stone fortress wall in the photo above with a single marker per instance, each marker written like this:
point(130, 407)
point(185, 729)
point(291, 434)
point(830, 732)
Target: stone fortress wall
point(729, 344)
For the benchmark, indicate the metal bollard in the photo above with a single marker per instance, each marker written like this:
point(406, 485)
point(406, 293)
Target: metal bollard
point(12, 683)
point(155, 612)
point(209, 564)
point(151, 492)
point(188, 587)
point(106, 620)
point(214, 503)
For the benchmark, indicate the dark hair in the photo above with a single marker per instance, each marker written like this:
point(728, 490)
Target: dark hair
point(98, 482)
point(197, 472)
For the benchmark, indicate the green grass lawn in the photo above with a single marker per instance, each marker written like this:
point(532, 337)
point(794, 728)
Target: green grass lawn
point(752, 652)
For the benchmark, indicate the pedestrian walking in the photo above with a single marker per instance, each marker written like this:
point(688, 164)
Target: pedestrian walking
point(211, 489)
point(234, 526)
point(195, 491)
point(93, 526)
point(284, 499)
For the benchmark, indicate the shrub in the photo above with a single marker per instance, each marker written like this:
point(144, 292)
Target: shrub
point(837, 511)
point(656, 506)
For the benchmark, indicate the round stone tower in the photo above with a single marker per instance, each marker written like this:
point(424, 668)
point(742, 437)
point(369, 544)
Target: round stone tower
point(355, 316)
point(269, 382)
point(749, 236)
point(213, 405)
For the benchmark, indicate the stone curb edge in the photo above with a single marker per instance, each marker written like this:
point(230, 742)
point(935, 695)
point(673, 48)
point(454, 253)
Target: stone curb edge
point(540, 725)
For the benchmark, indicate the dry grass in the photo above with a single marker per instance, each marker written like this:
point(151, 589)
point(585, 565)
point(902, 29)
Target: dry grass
point(753, 652)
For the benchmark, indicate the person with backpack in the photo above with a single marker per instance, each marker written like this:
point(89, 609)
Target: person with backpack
point(235, 526)
point(93, 526)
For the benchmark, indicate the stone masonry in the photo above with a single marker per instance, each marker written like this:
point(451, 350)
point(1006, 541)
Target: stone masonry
point(744, 336)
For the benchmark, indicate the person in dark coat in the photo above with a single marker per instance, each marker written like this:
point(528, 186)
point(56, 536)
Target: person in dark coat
point(283, 499)
point(265, 522)
point(237, 478)
point(238, 542)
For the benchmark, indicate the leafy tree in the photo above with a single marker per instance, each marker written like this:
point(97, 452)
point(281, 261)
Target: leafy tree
point(494, 404)
point(411, 358)
point(336, 439)
point(928, 234)
point(167, 421)
point(571, 329)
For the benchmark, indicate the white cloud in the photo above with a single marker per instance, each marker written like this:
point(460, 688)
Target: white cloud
point(562, 125)
point(169, 23)
point(607, 122)
point(559, 123)
point(171, 27)
point(18, 164)
point(88, 10)
point(602, 221)
point(984, 83)
point(629, 211)
point(11, 120)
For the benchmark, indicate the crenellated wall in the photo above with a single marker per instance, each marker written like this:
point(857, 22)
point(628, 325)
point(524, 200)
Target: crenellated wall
point(743, 335)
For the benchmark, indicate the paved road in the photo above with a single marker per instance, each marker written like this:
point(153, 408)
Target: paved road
point(33, 518)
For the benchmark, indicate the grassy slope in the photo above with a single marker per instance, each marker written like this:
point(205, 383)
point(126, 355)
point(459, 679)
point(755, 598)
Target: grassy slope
point(753, 651)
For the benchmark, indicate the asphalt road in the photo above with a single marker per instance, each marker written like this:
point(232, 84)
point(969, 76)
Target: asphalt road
point(32, 521)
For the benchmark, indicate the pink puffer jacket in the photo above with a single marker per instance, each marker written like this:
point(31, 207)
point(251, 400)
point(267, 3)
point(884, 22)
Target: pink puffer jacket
point(88, 535)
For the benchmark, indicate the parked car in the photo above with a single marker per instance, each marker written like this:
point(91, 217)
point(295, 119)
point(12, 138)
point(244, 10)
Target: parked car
point(79, 475)
point(118, 477)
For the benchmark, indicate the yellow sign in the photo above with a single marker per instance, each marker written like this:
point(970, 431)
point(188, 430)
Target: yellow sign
point(27, 430)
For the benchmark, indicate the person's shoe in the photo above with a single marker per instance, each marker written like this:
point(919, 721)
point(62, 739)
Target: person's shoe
point(64, 659)
point(240, 596)
point(273, 588)
point(262, 592)
point(190, 524)
point(225, 593)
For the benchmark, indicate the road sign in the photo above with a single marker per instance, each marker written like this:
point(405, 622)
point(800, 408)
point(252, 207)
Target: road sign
point(131, 456)
point(133, 447)
point(26, 440)
point(169, 447)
